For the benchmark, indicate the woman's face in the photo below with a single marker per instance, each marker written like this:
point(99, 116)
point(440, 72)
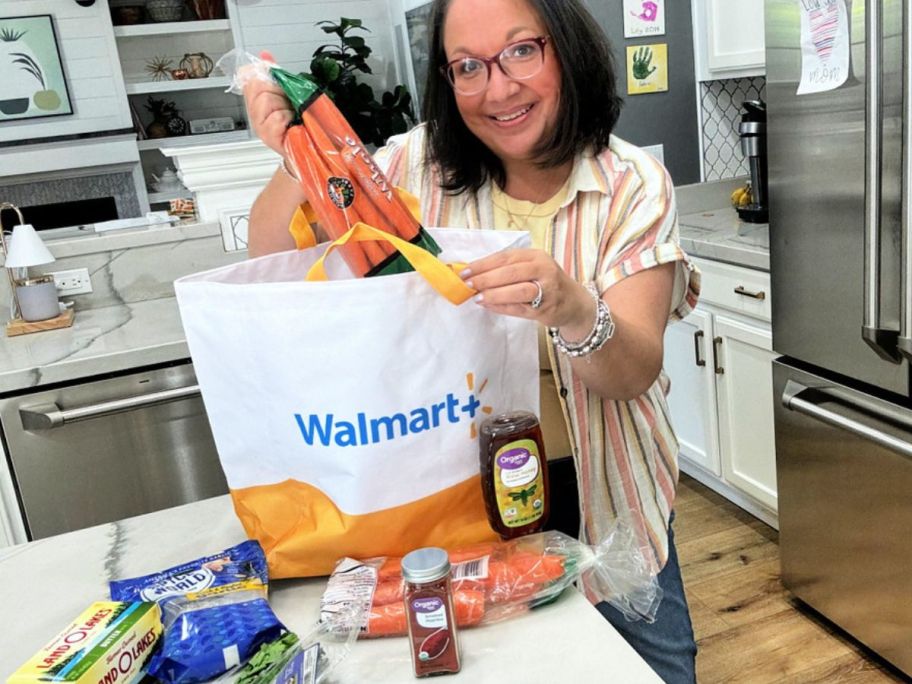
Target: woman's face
point(509, 116)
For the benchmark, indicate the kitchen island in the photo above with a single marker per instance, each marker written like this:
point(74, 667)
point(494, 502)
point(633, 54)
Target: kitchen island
point(46, 583)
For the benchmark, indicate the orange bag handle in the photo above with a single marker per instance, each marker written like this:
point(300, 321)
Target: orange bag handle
point(442, 277)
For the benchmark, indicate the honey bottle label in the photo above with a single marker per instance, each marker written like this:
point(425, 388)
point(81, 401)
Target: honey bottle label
point(518, 483)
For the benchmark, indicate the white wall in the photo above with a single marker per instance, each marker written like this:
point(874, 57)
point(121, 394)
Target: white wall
point(286, 28)
point(91, 67)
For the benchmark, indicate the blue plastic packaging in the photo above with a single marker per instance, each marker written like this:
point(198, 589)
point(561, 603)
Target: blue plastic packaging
point(214, 611)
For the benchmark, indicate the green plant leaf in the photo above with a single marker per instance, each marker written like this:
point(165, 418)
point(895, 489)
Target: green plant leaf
point(331, 27)
point(348, 24)
point(354, 42)
point(330, 50)
point(324, 69)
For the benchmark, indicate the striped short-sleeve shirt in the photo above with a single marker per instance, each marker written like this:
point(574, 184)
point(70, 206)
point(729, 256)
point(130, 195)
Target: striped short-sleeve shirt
point(618, 218)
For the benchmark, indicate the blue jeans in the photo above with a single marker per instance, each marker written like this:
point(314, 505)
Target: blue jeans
point(668, 643)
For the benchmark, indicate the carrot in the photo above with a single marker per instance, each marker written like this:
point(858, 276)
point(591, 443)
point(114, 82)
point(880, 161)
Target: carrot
point(387, 620)
point(360, 209)
point(361, 203)
point(363, 168)
point(381, 193)
point(299, 146)
point(391, 620)
point(470, 553)
point(388, 592)
point(469, 606)
point(522, 576)
point(391, 569)
point(538, 568)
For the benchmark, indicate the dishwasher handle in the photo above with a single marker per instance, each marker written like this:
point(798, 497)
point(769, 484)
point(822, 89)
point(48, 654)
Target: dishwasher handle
point(46, 416)
point(792, 399)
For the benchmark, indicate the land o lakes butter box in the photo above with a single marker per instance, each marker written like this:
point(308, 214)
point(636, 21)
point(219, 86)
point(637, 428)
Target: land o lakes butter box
point(109, 642)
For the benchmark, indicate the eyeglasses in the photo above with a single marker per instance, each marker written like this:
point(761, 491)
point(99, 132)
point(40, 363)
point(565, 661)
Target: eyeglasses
point(520, 60)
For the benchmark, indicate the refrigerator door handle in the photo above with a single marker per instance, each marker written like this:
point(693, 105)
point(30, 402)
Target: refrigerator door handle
point(801, 399)
point(880, 339)
point(904, 343)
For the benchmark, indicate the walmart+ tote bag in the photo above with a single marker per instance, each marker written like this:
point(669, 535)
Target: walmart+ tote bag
point(346, 411)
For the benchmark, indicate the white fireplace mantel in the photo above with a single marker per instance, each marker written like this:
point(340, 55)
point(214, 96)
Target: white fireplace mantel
point(224, 178)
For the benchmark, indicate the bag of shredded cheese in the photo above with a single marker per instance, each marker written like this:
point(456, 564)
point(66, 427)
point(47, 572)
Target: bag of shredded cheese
point(214, 611)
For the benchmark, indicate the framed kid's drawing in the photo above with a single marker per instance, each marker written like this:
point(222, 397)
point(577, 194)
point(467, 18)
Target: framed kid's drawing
point(31, 71)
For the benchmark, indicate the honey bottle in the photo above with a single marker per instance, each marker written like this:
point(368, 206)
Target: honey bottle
point(514, 474)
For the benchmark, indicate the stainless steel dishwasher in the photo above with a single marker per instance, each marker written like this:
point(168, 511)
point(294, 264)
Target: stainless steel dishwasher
point(98, 451)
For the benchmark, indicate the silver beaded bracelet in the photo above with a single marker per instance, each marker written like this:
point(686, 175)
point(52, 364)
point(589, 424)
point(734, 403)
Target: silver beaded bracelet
point(602, 331)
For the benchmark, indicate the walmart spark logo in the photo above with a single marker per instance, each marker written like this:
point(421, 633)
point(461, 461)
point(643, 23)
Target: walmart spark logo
point(360, 430)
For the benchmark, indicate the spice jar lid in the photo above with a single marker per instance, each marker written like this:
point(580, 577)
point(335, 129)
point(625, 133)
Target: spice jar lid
point(425, 565)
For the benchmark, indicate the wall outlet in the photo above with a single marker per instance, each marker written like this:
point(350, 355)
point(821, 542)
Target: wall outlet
point(72, 282)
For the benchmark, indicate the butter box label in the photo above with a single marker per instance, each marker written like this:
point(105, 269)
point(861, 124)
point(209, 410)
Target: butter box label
point(109, 642)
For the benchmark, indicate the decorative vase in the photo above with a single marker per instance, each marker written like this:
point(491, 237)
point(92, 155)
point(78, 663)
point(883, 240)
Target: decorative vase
point(197, 64)
point(165, 10)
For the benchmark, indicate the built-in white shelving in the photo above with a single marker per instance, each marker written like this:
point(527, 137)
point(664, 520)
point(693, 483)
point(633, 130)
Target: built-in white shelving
point(171, 27)
point(188, 140)
point(159, 197)
point(170, 86)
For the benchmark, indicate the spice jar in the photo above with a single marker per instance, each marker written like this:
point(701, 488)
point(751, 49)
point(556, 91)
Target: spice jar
point(514, 474)
point(429, 608)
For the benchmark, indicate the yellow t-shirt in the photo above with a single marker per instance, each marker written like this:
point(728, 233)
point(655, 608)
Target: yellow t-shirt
point(514, 214)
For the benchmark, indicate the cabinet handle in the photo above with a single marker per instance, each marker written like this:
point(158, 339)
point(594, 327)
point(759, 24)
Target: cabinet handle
point(698, 348)
point(747, 293)
point(717, 352)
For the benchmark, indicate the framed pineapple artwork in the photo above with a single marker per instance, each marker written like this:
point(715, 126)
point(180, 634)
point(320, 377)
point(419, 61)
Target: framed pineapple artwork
point(31, 73)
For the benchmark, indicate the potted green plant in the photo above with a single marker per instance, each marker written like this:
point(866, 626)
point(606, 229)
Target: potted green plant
point(335, 67)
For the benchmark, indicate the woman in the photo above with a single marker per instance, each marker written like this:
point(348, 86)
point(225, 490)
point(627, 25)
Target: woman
point(518, 136)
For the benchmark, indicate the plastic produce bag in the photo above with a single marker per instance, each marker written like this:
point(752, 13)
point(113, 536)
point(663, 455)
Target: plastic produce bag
point(310, 658)
point(495, 581)
point(339, 176)
point(214, 611)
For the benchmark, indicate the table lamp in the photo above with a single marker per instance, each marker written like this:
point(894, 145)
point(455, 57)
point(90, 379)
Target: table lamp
point(34, 300)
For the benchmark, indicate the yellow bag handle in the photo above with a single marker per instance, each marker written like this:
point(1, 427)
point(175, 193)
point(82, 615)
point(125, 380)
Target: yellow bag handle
point(442, 277)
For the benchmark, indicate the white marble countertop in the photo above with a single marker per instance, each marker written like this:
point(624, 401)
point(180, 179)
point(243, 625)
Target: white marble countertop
point(48, 582)
point(103, 340)
point(719, 234)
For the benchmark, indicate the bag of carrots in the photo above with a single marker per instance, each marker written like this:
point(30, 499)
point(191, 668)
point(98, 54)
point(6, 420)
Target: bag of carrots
point(342, 182)
point(494, 581)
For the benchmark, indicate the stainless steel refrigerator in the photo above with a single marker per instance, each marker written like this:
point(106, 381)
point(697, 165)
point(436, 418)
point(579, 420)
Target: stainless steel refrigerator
point(840, 169)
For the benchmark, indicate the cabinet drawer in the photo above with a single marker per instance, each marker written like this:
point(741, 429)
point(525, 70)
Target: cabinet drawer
point(743, 290)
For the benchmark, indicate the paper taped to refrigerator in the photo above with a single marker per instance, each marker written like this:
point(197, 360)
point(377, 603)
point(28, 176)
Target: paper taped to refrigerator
point(824, 45)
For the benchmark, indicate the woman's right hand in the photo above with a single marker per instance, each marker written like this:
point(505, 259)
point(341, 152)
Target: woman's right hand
point(268, 109)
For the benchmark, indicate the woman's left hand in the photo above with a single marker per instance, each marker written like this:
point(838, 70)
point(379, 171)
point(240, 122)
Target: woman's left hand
point(506, 284)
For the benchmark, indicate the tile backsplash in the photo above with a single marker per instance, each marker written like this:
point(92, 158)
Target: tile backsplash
point(721, 104)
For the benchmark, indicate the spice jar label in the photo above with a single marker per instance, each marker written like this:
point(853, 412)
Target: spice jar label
point(430, 612)
point(518, 483)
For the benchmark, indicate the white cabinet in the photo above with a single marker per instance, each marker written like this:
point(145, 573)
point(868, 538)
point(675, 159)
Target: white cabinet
point(745, 403)
point(693, 390)
point(728, 39)
point(719, 360)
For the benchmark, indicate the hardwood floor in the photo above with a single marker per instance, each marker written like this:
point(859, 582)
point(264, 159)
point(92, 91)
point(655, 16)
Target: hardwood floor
point(747, 626)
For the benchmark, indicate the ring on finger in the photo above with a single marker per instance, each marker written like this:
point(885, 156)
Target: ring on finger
point(537, 301)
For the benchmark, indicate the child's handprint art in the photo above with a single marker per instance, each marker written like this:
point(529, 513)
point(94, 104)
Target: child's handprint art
point(649, 11)
point(647, 68)
point(641, 64)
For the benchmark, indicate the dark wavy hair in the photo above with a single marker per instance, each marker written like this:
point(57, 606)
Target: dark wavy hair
point(587, 73)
